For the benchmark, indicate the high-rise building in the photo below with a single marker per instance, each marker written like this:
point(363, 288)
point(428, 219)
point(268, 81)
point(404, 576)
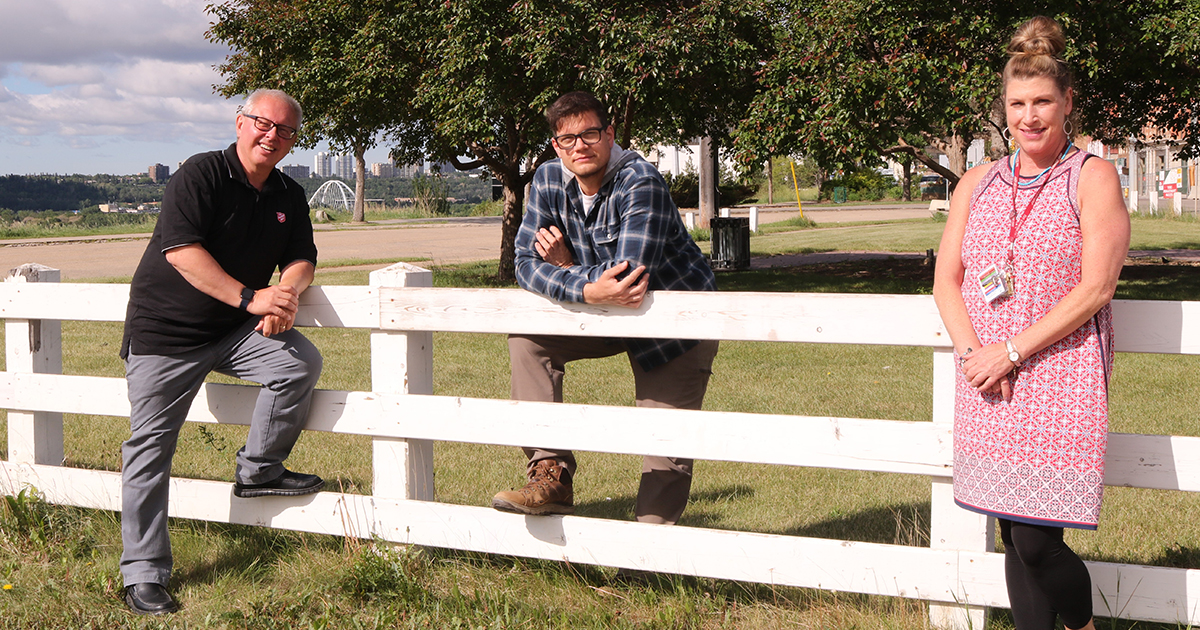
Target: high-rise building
point(410, 170)
point(383, 169)
point(321, 166)
point(159, 173)
point(295, 171)
point(445, 168)
point(343, 166)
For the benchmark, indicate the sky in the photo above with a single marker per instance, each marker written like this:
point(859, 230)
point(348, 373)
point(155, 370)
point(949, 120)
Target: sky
point(112, 86)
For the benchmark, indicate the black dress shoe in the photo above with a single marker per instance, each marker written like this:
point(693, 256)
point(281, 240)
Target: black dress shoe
point(289, 484)
point(149, 599)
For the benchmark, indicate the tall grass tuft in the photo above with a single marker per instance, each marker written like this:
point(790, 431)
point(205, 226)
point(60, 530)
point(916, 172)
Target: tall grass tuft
point(32, 527)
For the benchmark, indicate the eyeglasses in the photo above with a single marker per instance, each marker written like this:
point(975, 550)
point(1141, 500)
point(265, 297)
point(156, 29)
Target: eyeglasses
point(589, 136)
point(266, 124)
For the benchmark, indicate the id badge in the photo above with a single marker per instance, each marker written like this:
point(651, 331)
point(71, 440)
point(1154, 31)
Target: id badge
point(992, 284)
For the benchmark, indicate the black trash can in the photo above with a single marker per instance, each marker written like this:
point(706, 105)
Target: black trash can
point(730, 243)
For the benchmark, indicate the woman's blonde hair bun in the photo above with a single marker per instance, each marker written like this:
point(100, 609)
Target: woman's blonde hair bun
point(1036, 51)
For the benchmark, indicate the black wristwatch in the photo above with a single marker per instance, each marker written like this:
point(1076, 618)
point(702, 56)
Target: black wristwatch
point(247, 296)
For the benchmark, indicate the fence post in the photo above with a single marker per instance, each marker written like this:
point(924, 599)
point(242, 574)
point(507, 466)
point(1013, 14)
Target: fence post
point(402, 363)
point(34, 346)
point(689, 220)
point(1152, 177)
point(753, 219)
point(951, 527)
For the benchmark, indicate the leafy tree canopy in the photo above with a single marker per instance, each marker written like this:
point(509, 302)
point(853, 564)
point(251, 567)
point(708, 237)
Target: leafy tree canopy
point(851, 79)
point(352, 66)
point(472, 77)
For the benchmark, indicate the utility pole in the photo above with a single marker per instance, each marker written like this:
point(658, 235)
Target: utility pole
point(708, 180)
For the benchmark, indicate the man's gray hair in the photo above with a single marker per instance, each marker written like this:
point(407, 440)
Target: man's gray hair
point(248, 106)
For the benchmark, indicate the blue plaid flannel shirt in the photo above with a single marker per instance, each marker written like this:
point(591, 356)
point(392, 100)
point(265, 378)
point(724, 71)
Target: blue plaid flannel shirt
point(633, 219)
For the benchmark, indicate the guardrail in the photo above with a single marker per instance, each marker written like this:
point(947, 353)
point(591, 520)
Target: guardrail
point(957, 573)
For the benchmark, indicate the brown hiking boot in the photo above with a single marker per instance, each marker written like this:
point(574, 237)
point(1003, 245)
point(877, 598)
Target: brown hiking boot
point(548, 492)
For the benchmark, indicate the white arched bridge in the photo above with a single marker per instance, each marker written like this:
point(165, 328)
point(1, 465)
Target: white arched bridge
point(333, 194)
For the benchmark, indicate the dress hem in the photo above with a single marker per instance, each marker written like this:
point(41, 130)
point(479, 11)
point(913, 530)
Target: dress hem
point(1028, 520)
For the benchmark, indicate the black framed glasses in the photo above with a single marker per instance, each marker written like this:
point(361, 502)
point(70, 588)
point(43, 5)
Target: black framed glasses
point(266, 124)
point(589, 136)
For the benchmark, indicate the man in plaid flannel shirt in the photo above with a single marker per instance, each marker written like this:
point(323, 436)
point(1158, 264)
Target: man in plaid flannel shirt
point(600, 228)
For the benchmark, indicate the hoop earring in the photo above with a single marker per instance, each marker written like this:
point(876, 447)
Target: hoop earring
point(1069, 129)
point(1007, 135)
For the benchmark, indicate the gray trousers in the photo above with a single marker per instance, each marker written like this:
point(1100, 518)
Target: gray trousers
point(538, 365)
point(161, 390)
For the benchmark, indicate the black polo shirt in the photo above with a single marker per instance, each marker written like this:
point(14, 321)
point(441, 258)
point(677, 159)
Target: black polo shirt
point(250, 234)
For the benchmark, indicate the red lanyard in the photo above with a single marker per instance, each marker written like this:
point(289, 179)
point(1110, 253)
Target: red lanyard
point(1017, 222)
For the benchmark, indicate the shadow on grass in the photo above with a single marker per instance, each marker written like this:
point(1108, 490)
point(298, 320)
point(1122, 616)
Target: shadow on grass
point(697, 514)
point(1169, 281)
point(1142, 281)
point(242, 550)
point(895, 275)
point(899, 524)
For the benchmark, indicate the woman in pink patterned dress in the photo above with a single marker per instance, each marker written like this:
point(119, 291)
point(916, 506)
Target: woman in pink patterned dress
point(1027, 267)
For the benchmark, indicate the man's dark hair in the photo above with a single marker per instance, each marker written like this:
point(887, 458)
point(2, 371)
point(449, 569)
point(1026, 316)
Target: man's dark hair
point(574, 104)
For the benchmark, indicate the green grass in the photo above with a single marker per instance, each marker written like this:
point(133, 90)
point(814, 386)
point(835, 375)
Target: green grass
point(918, 235)
point(786, 225)
point(68, 230)
point(1165, 232)
point(62, 562)
point(897, 236)
point(782, 194)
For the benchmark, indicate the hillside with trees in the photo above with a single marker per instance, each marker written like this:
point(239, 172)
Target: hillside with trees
point(72, 193)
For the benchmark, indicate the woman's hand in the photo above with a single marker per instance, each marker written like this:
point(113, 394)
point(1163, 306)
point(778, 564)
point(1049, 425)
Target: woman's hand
point(987, 370)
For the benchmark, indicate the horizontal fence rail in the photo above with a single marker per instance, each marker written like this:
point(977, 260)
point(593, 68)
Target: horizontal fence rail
point(957, 573)
point(1167, 327)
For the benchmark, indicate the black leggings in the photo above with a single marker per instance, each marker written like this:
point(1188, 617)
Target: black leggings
point(1045, 578)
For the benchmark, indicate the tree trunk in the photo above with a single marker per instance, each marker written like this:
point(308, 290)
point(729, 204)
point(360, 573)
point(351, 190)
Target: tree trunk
point(907, 179)
point(956, 153)
point(360, 184)
point(708, 180)
point(514, 209)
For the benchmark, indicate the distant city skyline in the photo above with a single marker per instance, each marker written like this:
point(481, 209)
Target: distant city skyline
point(113, 87)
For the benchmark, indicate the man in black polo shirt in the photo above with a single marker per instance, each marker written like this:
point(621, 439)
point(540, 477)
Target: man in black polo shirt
point(200, 302)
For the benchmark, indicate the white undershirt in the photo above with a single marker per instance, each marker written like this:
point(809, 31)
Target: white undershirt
point(588, 202)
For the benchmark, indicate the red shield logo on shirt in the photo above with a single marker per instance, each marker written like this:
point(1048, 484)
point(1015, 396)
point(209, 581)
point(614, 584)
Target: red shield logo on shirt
point(281, 216)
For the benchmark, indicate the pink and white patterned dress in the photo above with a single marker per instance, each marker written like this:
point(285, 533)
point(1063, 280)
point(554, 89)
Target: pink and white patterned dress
point(1040, 457)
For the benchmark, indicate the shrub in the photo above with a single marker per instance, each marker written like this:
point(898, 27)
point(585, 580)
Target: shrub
point(866, 184)
point(429, 196)
point(685, 189)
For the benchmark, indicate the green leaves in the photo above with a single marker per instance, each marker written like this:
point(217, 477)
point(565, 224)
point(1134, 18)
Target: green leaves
point(850, 78)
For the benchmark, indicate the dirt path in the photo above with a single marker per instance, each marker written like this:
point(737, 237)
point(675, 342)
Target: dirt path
point(117, 257)
point(444, 242)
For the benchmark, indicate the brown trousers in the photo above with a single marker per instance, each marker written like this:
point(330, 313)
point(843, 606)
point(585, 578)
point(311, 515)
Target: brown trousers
point(538, 365)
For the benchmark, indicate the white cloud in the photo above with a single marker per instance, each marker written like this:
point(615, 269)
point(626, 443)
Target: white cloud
point(86, 74)
point(59, 75)
point(66, 31)
point(101, 110)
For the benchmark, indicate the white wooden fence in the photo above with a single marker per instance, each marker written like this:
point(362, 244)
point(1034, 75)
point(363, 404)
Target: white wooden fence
point(957, 574)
